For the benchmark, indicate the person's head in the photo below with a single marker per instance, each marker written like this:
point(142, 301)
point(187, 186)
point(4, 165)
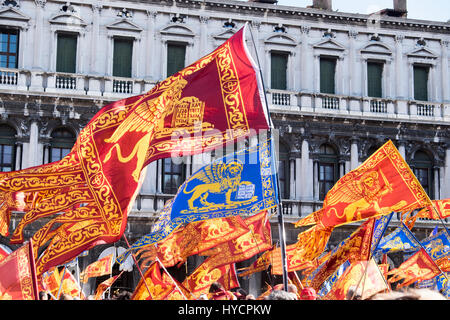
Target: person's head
point(409, 294)
point(215, 287)
point(43, 295)
point(353, 294)
point(66, 296)
point(308, 294)
point(292, 288)
point(250, 297)
point(281, 295)
point(203, 297)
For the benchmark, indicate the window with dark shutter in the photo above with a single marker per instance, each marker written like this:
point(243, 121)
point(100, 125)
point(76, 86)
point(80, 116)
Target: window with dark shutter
point(7, 148)
point(66, 54)
point(327, 75)
point(421, 83)
point(423, 170)
point(328, 165)
point(9, 42)
point(122, 57)
point(176, 54)
point(374, 79)
point(279, 70)
point(61, 143)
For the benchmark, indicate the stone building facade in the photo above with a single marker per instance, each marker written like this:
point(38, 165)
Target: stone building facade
point(338, 84)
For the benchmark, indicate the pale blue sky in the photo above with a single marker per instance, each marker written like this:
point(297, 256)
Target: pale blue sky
point(434, 10)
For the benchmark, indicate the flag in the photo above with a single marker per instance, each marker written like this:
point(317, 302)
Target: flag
point(260, 264)
point(419, 267)
point(199, 281)
point(98, 268)
point(442, 284)
point(437, 246)
point(241, 183)
point(362, 275)
point(160, 284)
point(381, 224)
point(401, 239)
point(4, 252)
point(356, 248)
point(215, 100)
point(17, 275)
point(51, 280)
point(440, 209)
point(194, 238)
point(295, 261)
point(257, 239)
point(70, 285)
point(102, 287)
point(331, 281)
point(382, 184)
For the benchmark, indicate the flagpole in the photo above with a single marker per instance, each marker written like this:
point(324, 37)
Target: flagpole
point(60, 285)
point(274, 158)
point(137, 266)
point(33, 270)
point(170, 276)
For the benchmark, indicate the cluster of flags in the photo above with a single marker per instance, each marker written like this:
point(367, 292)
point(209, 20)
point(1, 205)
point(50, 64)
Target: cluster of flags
point(221, 212)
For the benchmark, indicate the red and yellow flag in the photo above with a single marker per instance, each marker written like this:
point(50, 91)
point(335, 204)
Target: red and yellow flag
point(17, 276)
point(418, 267)
point(215, 100)
point(102, 287)
point(161, 286)
point(356, 248)
point(199, 281)
point(294, 259)
point(363, 275)
point(382, 184)
point(439, 210)
point(257, 239)
point(98, 268)
point(261, 264)
point(194, 238)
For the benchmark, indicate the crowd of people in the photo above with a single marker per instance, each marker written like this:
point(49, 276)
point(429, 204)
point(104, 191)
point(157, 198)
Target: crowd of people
point(218, 292)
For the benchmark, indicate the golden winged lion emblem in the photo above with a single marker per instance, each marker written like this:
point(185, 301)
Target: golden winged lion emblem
point(361, 194)
point(147, 117)
point(217, 178)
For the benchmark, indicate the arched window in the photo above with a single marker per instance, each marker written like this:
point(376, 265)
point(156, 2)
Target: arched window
point(328, 169)
point(423, 169)
point(7, 148)
point(283, 171)
point(61, 143)
point(173, 175)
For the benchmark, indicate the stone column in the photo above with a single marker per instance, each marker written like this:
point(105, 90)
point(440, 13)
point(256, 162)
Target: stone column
point(38, 43)
point(445, 191)
point(354, 161)
point(150, 46)
point(444, 67)
point(399, 92)
point(306, 83)
point(354, 83)
point(436, 183)
point(95, 38)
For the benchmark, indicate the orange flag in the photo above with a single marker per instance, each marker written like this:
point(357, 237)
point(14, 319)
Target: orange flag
point(295, 261)
point(17, 275)
point(194, 238)
point(161, 286)
point(363, 275)
point(51, 281)
point(257, 239)
point(439, 210)
point(261, 264)
point(356, 248)
point(199, 281)
point(102, 287)
point(70, 285)
point(98, 268)
point(215, 100)
point(382, 184)
point(418, 267)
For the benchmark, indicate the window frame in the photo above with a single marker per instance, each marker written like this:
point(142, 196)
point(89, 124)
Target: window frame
point(322, 79)
point(171, 173)
point(7, 53)
point(58, 68)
